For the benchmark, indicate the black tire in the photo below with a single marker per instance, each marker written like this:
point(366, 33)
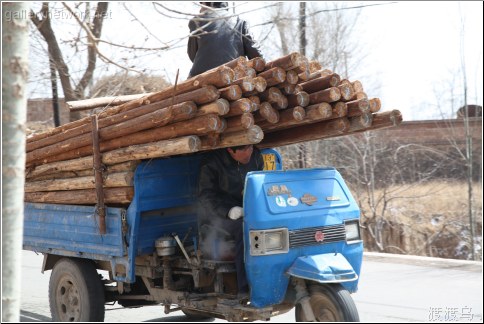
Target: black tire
point(330, 303)
point(195, 315)
point(76, 292)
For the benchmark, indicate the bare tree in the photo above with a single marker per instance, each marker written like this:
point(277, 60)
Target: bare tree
point(93, 29)
point(14, 102)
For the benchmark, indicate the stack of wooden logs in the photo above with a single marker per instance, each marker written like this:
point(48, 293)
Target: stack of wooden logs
point(285, 101)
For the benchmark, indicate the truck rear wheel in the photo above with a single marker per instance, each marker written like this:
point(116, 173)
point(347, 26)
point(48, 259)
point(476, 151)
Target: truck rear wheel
point(330, 303)
point(76, 292)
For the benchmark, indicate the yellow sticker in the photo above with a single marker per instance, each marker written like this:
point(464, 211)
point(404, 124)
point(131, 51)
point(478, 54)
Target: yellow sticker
point(269, 161)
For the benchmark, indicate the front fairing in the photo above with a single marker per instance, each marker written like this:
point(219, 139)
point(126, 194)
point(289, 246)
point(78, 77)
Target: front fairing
point(311, 204)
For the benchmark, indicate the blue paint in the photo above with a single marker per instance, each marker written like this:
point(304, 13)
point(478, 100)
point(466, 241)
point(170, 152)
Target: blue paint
point(333, 203)
point(302, 201)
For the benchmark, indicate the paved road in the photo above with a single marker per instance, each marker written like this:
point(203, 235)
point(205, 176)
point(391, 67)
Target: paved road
point(392, 289)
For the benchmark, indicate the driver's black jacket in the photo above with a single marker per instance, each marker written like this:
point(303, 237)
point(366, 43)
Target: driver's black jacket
point(215, 41)
point(221, 184)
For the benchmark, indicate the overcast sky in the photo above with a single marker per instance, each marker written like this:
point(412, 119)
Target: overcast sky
point(414, 49)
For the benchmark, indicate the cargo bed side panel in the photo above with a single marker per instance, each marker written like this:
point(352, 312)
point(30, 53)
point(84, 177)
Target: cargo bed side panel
point(74, 229)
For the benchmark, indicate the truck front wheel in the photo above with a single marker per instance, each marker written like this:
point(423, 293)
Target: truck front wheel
point(76, 292)
point(330, 303)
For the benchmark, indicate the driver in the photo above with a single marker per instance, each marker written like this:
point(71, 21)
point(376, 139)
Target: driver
point(220, 194)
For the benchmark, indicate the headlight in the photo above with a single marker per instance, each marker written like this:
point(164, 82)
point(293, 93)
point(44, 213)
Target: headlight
point(269, 241)
point(352, 231)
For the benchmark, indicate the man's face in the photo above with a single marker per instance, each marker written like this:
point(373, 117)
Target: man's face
point(242, 155)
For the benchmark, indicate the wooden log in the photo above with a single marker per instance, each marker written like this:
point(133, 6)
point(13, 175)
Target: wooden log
point(239, 61)
point(375, 105)
point(358, 107)
point(218, 77)
point(251, 73)
point(257, 63)
point(183, 112)
point(254, 99)
point(177, 146)
point(304, 133)
point(121, 113)
point(273, 76)
point(239, 107)
point(272, 95)
point(281, 103)
point(197, 126)
point(303, 69)
point(222, 126)
point(239, 123)
point(288, 89)
point(288, 118)
point(240, 72)
point(255, 103)
point(266, 112)
point(346, 90)
point(357, 86)
point(286, 62)
point(246, 84)
point(386, 119)
point(260, 84)
point(209, 141)
point(318, 74)
point(314, 66)
point(62, 175)
point(359, 95)
point(292, 77)
point(77, 167)
point(119, 179)
point(332, 94)
point(319, 111)
point(361, 122)
point(320, 83)
point(82, 197)
point(339, 109)
point(380, 121)
point(231, 93)
point(220, 107)
point(253, 135)
point(111, 120)
point(92, 103)
point(299, 99)
point(160, 117)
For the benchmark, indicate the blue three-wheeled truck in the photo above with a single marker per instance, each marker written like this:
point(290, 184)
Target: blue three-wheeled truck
point(302, 242)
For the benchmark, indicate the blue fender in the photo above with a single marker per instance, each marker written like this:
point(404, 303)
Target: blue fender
point(324, 268)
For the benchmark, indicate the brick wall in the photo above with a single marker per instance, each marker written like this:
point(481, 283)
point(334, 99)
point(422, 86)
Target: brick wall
point(41, 110)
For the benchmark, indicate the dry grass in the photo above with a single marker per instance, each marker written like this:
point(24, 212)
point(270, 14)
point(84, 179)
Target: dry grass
point(432, 218)
point(433, 199)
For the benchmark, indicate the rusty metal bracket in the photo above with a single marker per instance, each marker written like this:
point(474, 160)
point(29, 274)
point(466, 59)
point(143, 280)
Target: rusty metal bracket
point(98, 175)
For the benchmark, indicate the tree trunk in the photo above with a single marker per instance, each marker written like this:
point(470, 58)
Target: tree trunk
point(15, 47)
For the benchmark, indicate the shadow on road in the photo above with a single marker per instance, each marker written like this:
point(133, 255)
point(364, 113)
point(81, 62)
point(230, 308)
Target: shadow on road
point(33, 317)
point(179, 318)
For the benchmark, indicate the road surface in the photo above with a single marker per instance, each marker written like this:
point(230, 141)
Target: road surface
point(392, 288)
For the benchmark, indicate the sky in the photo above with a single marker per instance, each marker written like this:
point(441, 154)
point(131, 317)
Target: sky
point(414, 49)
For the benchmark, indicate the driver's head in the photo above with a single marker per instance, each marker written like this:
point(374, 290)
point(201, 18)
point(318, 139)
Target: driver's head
point(241, 153)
